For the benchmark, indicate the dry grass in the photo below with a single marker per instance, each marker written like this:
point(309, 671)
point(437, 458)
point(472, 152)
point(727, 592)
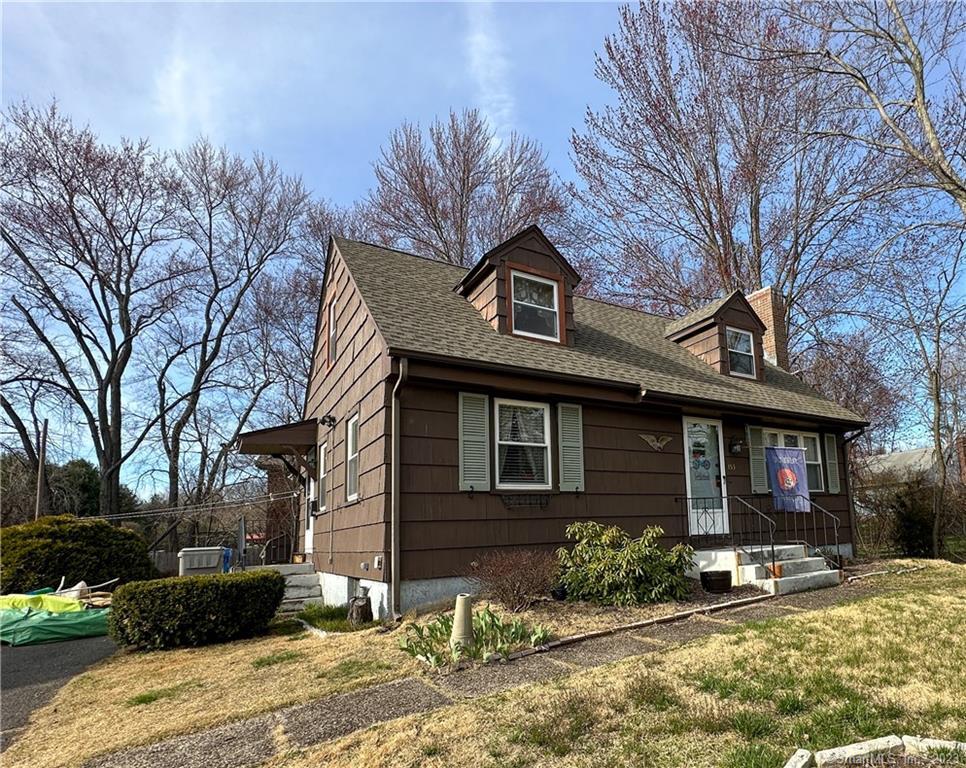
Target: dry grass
point(891, 663)
point(140, 698)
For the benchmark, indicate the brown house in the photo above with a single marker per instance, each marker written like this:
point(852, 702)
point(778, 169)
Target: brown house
point(450, 412)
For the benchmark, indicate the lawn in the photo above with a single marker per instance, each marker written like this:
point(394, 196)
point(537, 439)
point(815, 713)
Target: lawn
point(892, 663)
point(140, 698)
point(896, 662)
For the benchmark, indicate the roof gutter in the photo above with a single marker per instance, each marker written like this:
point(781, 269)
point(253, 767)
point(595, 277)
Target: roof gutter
point(395, 571)
point(459, 362)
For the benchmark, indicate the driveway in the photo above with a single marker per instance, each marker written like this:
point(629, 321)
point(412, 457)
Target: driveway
point(30, 675)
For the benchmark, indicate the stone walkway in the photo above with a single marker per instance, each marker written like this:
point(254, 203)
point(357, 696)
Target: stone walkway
point(251, 742)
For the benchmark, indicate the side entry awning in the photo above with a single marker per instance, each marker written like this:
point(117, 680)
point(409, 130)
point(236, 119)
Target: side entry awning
point(295, 439)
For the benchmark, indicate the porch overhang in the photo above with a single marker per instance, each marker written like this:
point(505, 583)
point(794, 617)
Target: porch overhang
point(295, 439)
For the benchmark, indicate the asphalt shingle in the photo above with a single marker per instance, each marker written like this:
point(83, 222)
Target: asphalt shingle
point(413, 303)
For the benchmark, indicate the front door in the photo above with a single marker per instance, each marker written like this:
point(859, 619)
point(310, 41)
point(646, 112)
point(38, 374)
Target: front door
point(704, 470)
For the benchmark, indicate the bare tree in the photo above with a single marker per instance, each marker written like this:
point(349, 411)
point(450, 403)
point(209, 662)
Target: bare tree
point(848, 367)
point(697, 178)
point(235, 220)
point(455, 192)
point(89, 253)
point(917, 307)
point(899, 65)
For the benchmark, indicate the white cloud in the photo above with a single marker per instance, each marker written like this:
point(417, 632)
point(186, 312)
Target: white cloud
point(186, 97)
point(490, 68)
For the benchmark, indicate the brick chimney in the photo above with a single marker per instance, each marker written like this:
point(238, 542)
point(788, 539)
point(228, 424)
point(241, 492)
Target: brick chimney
point(770, 308)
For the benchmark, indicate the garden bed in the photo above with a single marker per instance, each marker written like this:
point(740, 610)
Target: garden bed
point(564, 618)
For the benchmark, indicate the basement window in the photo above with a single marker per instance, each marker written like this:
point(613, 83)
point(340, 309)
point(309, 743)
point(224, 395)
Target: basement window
point(522, 445)
point(535, 303)
point(741, 353)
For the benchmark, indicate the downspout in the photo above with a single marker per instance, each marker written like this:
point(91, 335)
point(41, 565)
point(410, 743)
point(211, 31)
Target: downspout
point(394, 524)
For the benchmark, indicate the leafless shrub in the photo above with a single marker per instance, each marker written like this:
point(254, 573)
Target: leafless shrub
point(515, 577)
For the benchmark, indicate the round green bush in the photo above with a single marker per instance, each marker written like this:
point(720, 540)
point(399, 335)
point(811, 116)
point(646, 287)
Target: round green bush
point(37, 554)
point(195, 610)
point(606, 566)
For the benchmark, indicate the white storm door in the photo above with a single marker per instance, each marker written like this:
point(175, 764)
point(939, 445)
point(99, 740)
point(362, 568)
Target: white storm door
point(705, 477)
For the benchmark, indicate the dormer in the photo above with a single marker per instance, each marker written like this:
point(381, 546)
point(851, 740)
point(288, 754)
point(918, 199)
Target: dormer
point(727, 334)
point(524, 287)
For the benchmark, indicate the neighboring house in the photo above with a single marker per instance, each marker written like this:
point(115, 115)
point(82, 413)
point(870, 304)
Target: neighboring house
point(450, 412)
point(890, 469)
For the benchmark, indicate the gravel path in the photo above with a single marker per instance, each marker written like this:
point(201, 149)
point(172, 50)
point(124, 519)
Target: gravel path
point(250, 742)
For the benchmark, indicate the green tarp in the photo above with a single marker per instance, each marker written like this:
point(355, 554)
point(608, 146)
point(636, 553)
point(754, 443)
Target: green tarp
point(27, 626)
point(30, 619)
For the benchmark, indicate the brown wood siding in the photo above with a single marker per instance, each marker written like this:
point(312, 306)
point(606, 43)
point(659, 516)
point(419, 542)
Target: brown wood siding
point(489, 301)
point(627, 483)
point(708, 344)
point(350, 533)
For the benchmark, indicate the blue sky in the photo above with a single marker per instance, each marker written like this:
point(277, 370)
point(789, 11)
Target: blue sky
point(316, 86)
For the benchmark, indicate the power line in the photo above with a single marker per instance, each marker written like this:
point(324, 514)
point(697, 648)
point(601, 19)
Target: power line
point(199, 508)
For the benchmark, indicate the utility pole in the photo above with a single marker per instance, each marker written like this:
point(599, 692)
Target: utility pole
point(41, 472)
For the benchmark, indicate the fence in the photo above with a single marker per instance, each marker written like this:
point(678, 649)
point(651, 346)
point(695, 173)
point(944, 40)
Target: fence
point(260, 530)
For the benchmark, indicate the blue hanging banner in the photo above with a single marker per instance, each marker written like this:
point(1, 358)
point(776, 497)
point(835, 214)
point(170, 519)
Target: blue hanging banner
point(789, 479)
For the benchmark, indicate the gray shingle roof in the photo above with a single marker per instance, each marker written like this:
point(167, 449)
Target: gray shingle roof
point(413, 303)
point(693, 318)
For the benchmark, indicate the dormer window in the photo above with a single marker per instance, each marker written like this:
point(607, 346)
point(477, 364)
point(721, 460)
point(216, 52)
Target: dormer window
point(741, 353)
point(536, 302)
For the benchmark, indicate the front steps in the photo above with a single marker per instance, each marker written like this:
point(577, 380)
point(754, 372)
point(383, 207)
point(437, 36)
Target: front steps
point(302, 586)
point(795, 570)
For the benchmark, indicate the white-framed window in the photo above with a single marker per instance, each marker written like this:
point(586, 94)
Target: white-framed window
point(522, 444)
point(333, 333)
point(352, 458)
point(323, 475)
point(813, 453)
point(741, 352)
point(536, 306)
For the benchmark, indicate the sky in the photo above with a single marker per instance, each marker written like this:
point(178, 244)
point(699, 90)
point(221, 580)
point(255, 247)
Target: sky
point(316, 86)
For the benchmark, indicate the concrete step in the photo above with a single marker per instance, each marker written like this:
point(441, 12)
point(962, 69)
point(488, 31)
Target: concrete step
point(798, 567)
point(803, 582)
point(288, 569)
point(302, 580)
point(296, 605)
point(300, 593)
point(755, 554)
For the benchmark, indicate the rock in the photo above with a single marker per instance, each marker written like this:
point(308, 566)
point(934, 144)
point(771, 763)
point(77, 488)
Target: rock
point(801, 759)
point(887, 745)
point(920, 746)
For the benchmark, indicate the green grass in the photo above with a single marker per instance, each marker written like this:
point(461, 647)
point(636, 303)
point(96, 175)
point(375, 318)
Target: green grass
point(354, 668)
point(567, 722)
point(330, 618)
point(753, 725)
point(753, 756)
point(279, 657)
point(157, 694)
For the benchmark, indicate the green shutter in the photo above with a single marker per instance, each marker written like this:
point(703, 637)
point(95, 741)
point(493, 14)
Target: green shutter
point(832, 464)
point(474, 443)
point(756, 460)
point(571, 437)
